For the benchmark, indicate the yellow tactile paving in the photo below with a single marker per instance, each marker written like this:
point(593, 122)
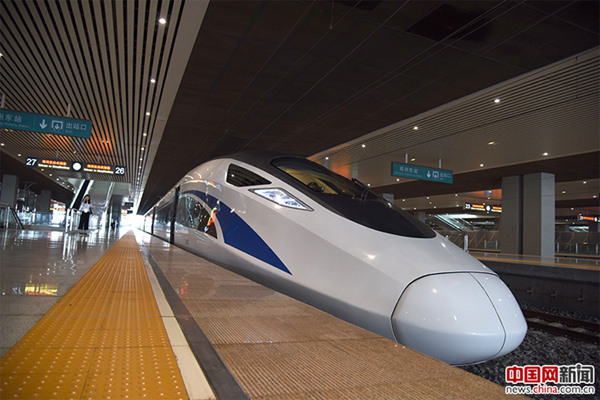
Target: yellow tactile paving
point(104, 339)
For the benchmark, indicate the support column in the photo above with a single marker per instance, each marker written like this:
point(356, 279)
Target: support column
point(116, 203)
point(511, 219)
point(43, 206)
point(538, 214)
point(10, 187)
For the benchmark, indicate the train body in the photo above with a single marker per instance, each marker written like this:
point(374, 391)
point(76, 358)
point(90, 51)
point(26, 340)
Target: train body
point(295, 226)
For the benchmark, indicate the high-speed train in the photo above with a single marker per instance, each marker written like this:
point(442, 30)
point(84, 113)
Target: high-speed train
point(297, 227)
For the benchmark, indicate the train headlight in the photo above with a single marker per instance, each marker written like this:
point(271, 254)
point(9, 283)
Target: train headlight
point(281, 197)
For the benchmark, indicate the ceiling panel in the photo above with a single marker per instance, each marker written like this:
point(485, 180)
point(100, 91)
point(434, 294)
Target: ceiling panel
point(296, 76)
point(104, 61)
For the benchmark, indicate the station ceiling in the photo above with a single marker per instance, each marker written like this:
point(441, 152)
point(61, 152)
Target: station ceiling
point(309, 78)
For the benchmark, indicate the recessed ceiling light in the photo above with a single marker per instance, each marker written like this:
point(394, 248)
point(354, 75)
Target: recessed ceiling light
point(49, 174)
point(416, 128)
point(144, 134)
point(584, 182)
point(368, 184)
point(481, 165)
point(152, 80)
point(143, 148)
point(363, 146)
point(327, 158)
point(545, 154)
point(397, 179)
point(147, 112)
point(564, 191)
point(491, 143)
point(2, 144)
point(162, 21)
point(496, 101)
point(412, 159)
point(19, 155)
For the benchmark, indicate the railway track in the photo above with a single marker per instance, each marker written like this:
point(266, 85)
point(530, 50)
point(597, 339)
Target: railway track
point(575, 329)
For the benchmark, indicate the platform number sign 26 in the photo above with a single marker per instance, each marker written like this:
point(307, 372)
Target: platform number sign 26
point(31, 162)
point(119, 170)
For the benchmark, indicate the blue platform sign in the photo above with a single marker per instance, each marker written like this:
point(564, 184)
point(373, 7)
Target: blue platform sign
point(24, 121)
point(424, 173)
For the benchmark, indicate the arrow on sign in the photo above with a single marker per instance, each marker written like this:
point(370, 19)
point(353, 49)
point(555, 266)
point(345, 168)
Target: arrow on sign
point(43, 125)
point(428, 174)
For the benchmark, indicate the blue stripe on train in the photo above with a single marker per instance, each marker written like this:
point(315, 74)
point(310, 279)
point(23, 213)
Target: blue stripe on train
point(237, 233)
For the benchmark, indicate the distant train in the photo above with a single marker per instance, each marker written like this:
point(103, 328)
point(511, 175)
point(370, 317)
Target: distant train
point(297, 227)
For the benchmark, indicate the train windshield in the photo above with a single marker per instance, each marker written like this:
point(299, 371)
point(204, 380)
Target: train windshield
point(350, 198)
point(321, 180)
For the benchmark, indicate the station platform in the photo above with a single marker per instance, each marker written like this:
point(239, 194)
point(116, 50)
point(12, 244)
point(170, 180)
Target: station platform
point(126, 316)
point(560, 283)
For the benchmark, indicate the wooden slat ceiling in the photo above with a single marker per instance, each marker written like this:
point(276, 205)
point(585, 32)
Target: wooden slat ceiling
point(106, 61)
point(299, 76)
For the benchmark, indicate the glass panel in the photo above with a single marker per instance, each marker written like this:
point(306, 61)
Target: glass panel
point(321, 180)
point(192, 214)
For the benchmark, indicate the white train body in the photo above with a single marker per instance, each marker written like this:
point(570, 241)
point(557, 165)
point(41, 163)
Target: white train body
point(410, 285)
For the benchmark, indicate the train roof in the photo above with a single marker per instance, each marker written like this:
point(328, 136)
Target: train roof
point(259, 158)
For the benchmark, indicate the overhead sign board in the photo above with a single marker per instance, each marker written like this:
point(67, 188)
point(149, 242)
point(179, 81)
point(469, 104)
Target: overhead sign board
point(43, 163)
point(482, 207)
point(423, 173)
point(24, 121)
point(103, 169)
point(76, 166)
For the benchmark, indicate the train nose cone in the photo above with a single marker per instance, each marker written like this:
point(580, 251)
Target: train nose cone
point(459, 318)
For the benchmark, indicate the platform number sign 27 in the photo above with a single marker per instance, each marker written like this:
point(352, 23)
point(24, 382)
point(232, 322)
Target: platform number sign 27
point(31, 162)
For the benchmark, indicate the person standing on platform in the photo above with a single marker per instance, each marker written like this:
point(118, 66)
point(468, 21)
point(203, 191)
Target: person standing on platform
point(86, 211)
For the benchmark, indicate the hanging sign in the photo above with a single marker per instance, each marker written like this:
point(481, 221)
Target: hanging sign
point(482, 207)
point(36, 162)
point(77, 166)
point(42, 123)
point(423, 173)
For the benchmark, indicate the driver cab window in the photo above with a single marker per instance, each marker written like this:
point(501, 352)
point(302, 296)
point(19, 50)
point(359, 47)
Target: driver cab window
point(320, 179)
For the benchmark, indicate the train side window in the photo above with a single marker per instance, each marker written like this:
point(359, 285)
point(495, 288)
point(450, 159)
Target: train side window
point(192, 214)
point(182, 211)
point(207, 222)
point(163, 215)
point(240, 177)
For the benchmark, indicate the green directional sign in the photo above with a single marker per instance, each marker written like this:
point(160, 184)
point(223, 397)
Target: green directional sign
point(424, 173)
point(45, 124)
